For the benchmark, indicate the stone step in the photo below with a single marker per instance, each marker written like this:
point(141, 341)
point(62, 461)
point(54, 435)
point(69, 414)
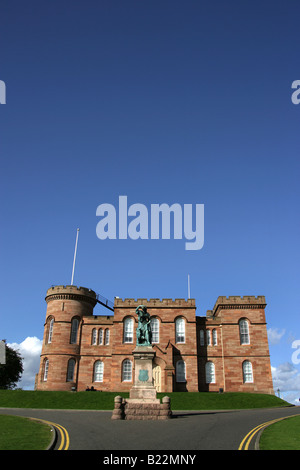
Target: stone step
point(146, 406)
point(145, 417)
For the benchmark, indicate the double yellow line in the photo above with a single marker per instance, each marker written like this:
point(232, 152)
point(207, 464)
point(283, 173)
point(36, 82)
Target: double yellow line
point(244, 445)
point(64, 436)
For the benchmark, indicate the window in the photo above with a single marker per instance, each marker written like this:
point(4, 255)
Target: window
point(214, 337)
point(94, 336)
point(50, 330)
point(247, 372)
point(100, 336)
point(244, 332)
point(98, 371)
point(155, 330)
point(210, 373)
point(180, 371)
point(74, 329)
point(106, 338)
point(201, 338)
point(128, 330)
point(127, 371)
point(46, 368)
point(208, 338)
point(180, 330)
point(70, 371)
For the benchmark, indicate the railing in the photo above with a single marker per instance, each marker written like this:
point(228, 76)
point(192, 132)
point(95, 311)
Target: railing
point(105, 302)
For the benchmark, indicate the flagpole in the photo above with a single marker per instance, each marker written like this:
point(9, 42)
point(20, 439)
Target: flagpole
point(189, 287)
point(75, 252)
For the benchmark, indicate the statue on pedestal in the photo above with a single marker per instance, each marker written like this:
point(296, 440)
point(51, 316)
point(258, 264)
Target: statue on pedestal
point(143, 332)
point(142, 402)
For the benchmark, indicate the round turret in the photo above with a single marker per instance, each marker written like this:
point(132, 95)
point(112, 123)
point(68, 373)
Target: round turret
point(66, 307)
point(82, 294)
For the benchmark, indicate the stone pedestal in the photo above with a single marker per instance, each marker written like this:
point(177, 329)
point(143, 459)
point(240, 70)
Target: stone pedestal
point(142, 402)
point(143, 388)
point(147, 410)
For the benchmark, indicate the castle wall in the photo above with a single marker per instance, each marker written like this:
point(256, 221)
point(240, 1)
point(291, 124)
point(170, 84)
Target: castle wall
point(205, 355)
point(168, 351)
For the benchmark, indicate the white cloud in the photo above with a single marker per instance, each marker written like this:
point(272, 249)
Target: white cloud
point(30, 350)
point(286, 378)
point(292, 397)
point(274, 335)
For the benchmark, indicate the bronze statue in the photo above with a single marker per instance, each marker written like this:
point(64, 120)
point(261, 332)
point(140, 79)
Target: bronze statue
point(143, 332)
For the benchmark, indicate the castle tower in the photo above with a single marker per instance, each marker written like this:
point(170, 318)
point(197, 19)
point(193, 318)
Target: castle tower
point(60, 357)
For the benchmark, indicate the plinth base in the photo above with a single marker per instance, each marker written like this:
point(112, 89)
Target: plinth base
point(142, 402)
point(131, 408)
point(144, 392)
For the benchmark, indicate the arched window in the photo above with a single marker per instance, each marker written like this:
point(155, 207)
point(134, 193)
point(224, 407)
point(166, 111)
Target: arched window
point(46, 368)
point(106, 337)
point(155, 330)
point(247, 372)
point(180, 371)
point(128, 330)
point(244, 332)
point(70, 370)
point(98, 371)
point(51, 323)
point(201, 337)
point(94, 336)
point(180, 330)
point(210, 373)
point(100, 336)
point(214, 337)
point(208, 338)
point(127, 371)
point(74, 330)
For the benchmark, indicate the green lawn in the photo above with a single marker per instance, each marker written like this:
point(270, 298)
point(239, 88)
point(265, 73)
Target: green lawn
point(18, 433)
point(284, 435)
point(223, 401)
point(105, 400)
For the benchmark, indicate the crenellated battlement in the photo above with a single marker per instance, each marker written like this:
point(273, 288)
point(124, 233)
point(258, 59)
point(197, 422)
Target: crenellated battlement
point(237, 301)
point(155, 303)
point(71, 293)
point(243, 299)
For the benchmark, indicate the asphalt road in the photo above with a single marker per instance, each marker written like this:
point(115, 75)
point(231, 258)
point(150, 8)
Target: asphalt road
point(194, 430)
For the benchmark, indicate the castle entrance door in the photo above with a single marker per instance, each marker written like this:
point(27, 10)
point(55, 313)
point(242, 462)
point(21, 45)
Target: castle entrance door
point(157, 377)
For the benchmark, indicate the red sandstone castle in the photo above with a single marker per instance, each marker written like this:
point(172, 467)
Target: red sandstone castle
point(227, 349)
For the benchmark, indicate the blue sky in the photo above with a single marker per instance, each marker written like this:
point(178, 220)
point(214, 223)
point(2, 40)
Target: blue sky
point(164, 102)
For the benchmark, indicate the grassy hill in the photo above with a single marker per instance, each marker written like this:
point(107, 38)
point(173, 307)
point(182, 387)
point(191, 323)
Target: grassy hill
point(105, 400)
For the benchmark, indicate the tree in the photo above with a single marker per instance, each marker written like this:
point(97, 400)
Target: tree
point(11, 372)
